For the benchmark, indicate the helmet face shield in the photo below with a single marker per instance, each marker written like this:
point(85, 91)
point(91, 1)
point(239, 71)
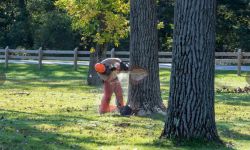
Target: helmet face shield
point(100, 68)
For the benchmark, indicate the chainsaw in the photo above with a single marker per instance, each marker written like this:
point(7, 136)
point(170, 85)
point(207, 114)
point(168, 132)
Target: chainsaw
point(136, 74)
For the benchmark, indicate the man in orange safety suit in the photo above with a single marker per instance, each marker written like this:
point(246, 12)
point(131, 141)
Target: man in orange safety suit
point(108, 70)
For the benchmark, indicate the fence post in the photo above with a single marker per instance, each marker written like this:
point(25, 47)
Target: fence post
point(6, 57)
point(75, 58)
point(113, 53)
point(40, 58)
point(239, 54)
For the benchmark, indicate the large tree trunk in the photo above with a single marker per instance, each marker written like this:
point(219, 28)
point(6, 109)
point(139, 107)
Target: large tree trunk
point(97, 56)
point(144, 97)
point(190, 113)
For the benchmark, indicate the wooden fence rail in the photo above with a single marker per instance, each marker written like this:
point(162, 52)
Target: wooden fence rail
point(75, 55)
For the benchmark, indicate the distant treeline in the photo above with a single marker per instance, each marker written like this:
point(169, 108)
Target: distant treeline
point(31, 24)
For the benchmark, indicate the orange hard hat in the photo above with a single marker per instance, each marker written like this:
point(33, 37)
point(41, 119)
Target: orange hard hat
point(100, 68)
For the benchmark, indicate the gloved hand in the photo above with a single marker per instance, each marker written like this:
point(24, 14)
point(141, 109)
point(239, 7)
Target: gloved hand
point(108, 70)
point(124, 66)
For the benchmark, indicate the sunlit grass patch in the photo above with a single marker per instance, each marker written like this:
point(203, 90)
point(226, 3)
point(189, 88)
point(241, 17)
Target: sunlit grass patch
point(55, 109)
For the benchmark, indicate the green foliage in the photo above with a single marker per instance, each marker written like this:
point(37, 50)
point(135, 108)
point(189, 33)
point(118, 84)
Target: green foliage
point(166, 15)
point(233, 24)
point(51, 27)
point(103, 20)
point(35, 23)
point(55, 32)
point(233, 27)
point(14, 24)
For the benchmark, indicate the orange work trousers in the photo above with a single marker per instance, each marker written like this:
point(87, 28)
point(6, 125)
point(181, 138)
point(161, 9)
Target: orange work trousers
point(109, 88)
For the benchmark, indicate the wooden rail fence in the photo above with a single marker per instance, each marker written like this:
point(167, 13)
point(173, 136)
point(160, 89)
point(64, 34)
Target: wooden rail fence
point(75, 55)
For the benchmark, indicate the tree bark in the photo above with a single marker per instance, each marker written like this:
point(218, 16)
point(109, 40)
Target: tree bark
point(144, 97)
point(190, 113)
point(97, 56)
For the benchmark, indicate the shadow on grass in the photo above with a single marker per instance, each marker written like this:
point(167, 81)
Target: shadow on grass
point(224, 129)
point(233, 99)
point(22, 133)
point(31, 84)
point(51, 119)
point(28, 77)
point(187, 145)
point(27, 137)
point(231, 72)
point(55, 72)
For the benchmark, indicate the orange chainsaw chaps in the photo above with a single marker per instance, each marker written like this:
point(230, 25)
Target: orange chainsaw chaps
point(109, 89)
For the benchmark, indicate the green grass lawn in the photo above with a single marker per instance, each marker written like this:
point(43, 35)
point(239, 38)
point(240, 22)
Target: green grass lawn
point(55, 109)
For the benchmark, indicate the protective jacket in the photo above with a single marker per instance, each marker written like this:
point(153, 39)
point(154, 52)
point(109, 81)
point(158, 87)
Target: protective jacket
point(111, 85)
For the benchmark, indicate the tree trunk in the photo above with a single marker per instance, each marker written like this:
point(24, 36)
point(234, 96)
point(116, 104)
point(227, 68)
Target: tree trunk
point(190, 113)
point(97, 56)
point(144, 97)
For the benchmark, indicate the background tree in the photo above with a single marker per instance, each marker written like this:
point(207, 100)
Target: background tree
point(52, 26)
point(35, 23)
point(190, 112)
point(15, 23)
point(165, 11)
point(104, 21)
point(233, 25)
point(145, 96)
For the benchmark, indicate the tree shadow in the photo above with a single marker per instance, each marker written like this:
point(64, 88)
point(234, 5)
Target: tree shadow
point(233, 99)
point(31, 84)
point(27, 137)
point(21, 74)
point(22, 133)
point(47, 72)
point(28, 77)
point(194, 144)
point(226, 131)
